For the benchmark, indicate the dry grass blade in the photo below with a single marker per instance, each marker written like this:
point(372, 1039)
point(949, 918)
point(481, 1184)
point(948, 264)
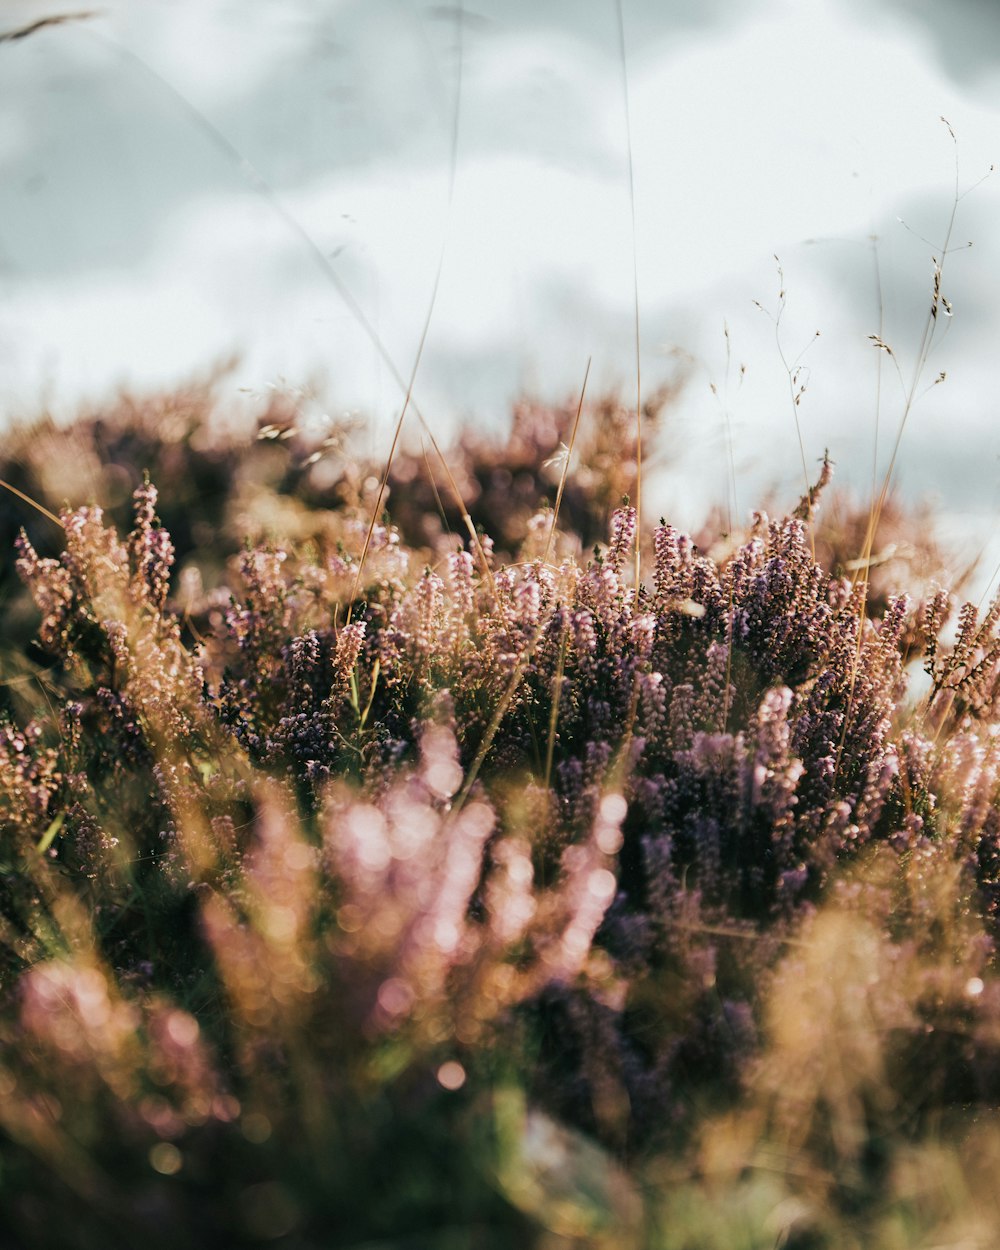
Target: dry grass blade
point(57, 19)
point(32, 502)
point(409, 402)
point(566, 462)
point(557, 685)
point(911, 394)
point(264, 189)
point(635, 304)
point(466, 518)
point(524, 659)
point(797, 375)
point(731, 511)
point(558, 680)
point(375, 514)
point(515, 680)
point(863, 565)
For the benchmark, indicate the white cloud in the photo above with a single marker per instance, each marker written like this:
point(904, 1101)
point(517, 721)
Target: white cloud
point(800, 123)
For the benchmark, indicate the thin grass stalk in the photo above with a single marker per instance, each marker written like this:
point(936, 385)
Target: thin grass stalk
point(499, 712)
point(793, 373)
point(731, 509)
point(557, 688)
point(439, 503)
point(565, 469)
point(926, 343)
point(56, 19)
point(264, 189)
point(32, 503)
point(515, 680)
point(635, 301)
point(865, 568)
point(561, 662)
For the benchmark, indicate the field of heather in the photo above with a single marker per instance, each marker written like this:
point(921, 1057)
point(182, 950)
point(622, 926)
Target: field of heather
point(411, 840)
point(383, 865)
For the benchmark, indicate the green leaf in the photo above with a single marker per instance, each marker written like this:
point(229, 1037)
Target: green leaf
point(49, 836)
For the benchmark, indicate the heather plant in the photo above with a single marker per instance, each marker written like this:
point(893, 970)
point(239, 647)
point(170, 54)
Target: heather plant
point(278, 470)
point(451, 902)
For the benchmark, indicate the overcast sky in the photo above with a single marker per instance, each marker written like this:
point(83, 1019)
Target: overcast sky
point(136, 246)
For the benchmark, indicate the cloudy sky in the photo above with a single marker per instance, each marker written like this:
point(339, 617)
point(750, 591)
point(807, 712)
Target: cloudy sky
point(181, 180)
